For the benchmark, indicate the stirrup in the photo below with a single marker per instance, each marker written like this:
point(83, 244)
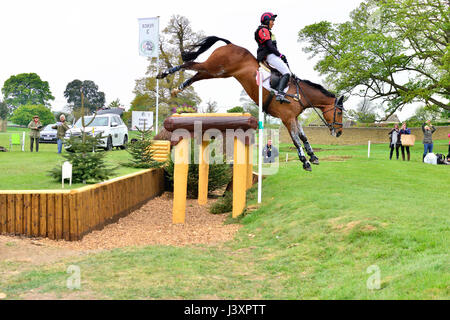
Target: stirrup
point(281, 98)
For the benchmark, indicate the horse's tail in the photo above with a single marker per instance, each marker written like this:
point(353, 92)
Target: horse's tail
point(202, 46)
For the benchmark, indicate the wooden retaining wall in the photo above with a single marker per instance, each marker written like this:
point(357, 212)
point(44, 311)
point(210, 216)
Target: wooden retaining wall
point(71, 214)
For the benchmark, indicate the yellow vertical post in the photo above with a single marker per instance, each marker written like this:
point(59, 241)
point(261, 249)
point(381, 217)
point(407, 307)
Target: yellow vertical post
point(239, 177)
point(249, 160)
point(180, 181)
point(203, 170)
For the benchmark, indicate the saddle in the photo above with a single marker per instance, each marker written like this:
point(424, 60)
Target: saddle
point(275, 75)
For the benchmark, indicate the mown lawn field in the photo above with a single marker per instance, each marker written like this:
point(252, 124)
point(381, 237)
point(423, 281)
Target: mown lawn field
point(328, 234)
point(29, 170)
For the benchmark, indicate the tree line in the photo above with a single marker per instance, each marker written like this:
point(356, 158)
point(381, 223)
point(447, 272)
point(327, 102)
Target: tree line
point(391, 53)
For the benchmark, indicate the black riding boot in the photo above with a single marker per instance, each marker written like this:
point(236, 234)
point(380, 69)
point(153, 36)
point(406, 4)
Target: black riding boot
point(281, 86)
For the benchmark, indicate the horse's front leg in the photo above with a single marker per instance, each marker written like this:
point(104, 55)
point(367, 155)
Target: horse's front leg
point(309, 150)
point(293, 131)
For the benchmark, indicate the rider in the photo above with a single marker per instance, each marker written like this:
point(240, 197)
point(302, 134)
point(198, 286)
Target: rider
point(267, 50)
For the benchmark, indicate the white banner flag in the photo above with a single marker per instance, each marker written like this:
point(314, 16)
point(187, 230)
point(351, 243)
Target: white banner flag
point(149, 37)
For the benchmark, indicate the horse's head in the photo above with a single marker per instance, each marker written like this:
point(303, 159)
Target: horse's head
point(333, 115)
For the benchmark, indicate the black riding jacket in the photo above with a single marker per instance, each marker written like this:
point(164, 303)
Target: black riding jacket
point(266, 43)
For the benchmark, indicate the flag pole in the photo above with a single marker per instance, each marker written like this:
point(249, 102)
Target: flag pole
point(157, 83)
point(261, 129)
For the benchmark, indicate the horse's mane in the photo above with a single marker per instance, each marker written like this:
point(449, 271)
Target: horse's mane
point(319, 87)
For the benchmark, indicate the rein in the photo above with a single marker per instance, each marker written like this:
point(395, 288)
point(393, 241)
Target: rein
point(310, 105)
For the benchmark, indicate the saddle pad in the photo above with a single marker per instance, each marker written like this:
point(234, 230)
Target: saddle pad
point(266, 79)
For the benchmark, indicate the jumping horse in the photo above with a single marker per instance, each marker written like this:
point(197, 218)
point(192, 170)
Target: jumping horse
point(234, 61)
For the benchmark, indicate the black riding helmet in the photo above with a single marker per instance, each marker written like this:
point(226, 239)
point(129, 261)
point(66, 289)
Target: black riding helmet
point(266, 17)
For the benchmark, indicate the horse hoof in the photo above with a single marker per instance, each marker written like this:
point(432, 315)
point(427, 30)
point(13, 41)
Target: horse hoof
point(315, 161)
point(307, 166)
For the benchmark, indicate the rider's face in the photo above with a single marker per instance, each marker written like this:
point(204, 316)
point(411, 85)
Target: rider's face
point(271, 22)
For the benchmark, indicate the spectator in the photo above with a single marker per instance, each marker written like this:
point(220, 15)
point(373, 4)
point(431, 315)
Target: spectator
point(36, 126)
point(269, 152)
point(428, 130)
point(448, 155)
point(405, 130)
point(61, 128)
point(394, 136)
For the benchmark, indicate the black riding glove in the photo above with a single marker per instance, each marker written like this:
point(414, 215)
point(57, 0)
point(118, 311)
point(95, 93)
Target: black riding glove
point(283, 57)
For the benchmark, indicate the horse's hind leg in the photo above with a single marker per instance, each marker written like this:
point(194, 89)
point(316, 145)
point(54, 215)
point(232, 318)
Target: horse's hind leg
point(198, 76)
point(188, 65)
point(294, 132)
point(309, 150)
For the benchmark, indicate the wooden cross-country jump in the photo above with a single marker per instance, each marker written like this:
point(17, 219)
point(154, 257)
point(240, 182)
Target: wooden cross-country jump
point(187, 126)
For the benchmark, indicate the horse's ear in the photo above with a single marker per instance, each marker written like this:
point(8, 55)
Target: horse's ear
point(341, 100)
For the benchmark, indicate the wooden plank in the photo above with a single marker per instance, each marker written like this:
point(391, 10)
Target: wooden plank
point(3, 212)
point(19, 214)
point(11, 219)
point(35, 206)
point(58, 216)
point(66, 217)
point(43, 215)
point(27, 214)
point(51, 216)
point(73, 217)
point(79, 214)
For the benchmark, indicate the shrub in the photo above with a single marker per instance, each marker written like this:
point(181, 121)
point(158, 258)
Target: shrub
point(87, 166)
point(141, 154)
point(223, 205)
point(236, 110)
point(219, 176)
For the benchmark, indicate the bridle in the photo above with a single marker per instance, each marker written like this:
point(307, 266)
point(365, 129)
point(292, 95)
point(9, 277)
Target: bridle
point(338, 108)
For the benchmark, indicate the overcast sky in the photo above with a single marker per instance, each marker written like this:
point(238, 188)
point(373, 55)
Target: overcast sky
point(98, 39)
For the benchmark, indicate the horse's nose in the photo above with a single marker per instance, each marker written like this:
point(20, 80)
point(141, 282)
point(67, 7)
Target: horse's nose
point(339, 133)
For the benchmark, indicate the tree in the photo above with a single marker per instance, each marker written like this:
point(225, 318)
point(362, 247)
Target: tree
point(365, 112)
point(4, 112)
point(211, 107)
point(87, 166)
point(141, 152)
point(24, 114)
point(26, 89)
point(174, 39)
point(423, 114)
point(249, 105)
point(115, 104)
point(237, 109)
point(393, 50)
point(93, 98)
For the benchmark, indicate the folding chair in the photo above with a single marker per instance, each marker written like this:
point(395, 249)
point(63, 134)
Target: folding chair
point(16, 140)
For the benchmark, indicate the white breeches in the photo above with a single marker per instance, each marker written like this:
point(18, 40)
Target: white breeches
point(278, 64)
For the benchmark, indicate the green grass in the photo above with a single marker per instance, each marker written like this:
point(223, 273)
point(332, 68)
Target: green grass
point(29, 170)
point(314, 237)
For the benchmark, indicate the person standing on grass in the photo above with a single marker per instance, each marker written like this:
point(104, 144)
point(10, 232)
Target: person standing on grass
point(448, 155)
point(36, 126)
point(405, 130)
point(394, 136)
point(61, 128)
point(428, 130)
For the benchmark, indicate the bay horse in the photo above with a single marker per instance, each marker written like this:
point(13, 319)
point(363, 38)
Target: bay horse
point(234, 61)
